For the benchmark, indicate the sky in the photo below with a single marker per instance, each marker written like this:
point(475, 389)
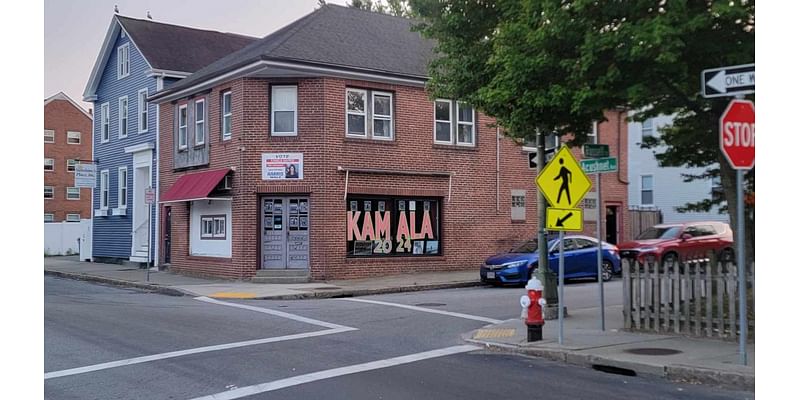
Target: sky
point(74, 30)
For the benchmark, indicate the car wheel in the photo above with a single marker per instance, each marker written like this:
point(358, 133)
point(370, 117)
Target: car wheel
point(608, 270)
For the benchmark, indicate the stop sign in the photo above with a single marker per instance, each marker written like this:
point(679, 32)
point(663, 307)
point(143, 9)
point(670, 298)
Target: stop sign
point(737, 134)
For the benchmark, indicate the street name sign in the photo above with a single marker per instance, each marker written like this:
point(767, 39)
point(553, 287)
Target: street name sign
point(564, 219)
point(85, 175)
point(595, 150)
point(729, 81)
point(599, 165)
point(737, 134)
point(562, 180)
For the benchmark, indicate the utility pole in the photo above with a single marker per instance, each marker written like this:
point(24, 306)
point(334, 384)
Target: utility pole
point(544, 274)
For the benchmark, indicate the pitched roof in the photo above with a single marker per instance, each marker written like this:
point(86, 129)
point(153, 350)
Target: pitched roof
point(180, 48)
point(63, 96)
point(333, 36)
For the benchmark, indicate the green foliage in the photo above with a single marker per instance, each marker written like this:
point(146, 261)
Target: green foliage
point(398, 8)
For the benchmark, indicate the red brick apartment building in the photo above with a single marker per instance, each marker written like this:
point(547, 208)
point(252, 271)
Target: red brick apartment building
point(306, 156)
point(67, 138)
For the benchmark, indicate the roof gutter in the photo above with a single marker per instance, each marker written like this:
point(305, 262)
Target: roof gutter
point(165, 73)
point(168, 96)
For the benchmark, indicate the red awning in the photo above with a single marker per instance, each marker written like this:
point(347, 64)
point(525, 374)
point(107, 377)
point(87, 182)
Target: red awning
point(194, 186)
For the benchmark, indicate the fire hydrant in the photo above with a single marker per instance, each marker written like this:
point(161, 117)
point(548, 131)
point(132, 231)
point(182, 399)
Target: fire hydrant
point(532, 304)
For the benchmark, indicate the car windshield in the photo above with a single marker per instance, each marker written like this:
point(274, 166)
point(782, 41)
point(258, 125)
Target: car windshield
point(669, 232)
point(531, 246)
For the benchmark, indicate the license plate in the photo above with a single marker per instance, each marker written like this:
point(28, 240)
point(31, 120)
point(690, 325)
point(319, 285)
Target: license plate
point(490, 275)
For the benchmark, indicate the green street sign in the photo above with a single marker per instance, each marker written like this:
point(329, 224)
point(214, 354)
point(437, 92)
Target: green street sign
point(599, 165)
point(595, 150)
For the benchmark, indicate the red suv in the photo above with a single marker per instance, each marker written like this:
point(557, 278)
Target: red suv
point(667, 243)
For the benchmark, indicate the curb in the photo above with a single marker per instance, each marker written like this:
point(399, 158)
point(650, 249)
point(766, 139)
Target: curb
point(675, 373)
point(120, 283)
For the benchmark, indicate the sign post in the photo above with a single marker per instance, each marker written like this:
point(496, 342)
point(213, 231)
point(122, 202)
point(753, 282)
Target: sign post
point(737, 140)
point(563, 184)
point(149, 199)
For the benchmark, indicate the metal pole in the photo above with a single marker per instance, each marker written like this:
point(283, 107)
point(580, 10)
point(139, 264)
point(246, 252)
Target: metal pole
point(741, 267)
point(561, 287)
point(544, 273)
point(149, 219)
point(600, 255)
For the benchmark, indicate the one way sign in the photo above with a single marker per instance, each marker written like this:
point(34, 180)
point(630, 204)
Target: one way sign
point(729, 81)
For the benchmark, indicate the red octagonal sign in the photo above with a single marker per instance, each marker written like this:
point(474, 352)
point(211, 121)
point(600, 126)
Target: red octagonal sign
point(737, 134)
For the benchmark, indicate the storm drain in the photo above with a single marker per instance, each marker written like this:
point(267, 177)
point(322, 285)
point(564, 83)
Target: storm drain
point(613, 370)
point(430, 304)
point(653, 351)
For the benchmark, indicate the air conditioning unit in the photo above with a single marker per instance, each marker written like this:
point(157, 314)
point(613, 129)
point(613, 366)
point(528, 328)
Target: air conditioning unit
point(226, 183)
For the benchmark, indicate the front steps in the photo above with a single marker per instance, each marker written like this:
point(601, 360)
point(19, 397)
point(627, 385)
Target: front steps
point(281, 276)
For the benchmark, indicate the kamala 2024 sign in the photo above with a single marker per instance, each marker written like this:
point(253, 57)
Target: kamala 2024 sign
point(389, 226)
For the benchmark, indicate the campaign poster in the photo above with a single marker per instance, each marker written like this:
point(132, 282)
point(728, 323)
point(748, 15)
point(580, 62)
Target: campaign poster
point(281, 166)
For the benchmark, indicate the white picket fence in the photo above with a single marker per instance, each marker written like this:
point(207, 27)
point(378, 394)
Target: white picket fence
point(62, 238)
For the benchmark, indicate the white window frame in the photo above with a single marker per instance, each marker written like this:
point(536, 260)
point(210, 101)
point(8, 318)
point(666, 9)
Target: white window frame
point(122, 186)
point(105, 128)
point(206, 222)
point(274, 110)
point(449, 121)
point(217, 227)
point(374, 117)
point(143, 114)
point(74, 163)
point(184, 133)
point(220, 227)
point(51, 134)
point(200, 123)
point(125, 118)
point(51, 218)
point(123, 60)
point(651, 190)
point(73, 135)
point(227, 115)
point(51, 162)
point(52, 192)
point(458, 124)
point(104, 190)
point(74, 190)
point(364, 114)
point(651, 129)
point(591, 138)
point(74, 220)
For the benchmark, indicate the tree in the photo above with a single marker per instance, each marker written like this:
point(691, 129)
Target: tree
point(556, 65)
point(398, 8)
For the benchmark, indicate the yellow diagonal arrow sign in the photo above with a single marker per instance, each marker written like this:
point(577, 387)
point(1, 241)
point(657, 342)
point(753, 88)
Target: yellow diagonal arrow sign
point(564, 219)
point(562, 181)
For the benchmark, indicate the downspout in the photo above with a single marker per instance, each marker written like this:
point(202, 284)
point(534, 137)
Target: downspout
point(156, 241)
point(497, 172)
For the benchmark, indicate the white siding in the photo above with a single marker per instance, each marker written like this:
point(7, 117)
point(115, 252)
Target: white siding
point(669, 189)
point(210, 247)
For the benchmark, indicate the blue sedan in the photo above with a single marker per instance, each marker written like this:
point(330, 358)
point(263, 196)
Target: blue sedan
point(580, 261)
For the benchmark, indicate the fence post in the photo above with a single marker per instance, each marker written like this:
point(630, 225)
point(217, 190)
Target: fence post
point(657, 297)
point(637, 295)
point(697, 299)
point(720, 303)
point(712, 261)
point(732, 289)
point(676, 297)
point(647, 300)
point(626, 293)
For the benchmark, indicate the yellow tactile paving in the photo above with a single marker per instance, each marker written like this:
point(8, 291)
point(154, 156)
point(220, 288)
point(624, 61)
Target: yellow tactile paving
point(494, 333)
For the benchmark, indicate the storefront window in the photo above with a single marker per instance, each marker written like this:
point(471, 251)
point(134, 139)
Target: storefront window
point(393, 226)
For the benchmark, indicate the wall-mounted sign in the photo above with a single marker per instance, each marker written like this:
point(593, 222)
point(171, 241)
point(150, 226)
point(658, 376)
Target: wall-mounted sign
point(281, 166)
point(85, 175)
point(386, 226)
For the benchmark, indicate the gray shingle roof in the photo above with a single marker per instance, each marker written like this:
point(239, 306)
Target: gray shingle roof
point(334, 36)
point(180, 48)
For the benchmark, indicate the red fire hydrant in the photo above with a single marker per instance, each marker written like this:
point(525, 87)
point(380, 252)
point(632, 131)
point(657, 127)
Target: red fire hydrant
point(533, 303)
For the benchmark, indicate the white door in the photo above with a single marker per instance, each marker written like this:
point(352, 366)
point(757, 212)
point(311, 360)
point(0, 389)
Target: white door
point(141, 217)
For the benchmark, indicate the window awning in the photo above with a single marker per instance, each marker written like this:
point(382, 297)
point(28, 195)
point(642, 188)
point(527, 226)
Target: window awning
point(194, 186)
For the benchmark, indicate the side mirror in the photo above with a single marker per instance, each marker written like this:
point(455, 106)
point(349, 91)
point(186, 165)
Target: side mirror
point(686, 236)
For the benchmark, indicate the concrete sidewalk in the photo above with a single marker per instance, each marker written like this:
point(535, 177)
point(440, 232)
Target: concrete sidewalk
point(673, 357)
point(179, 285)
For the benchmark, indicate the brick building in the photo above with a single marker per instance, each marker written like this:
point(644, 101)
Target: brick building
point(67, 138)
point(303, 156)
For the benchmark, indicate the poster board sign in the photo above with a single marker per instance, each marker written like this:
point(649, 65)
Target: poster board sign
point(281, 166)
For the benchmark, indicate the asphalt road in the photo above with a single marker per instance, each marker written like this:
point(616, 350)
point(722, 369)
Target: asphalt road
point(109, 343)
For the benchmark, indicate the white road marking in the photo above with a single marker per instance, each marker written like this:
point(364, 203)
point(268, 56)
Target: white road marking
point(336, 372)
point(179, 353)
point(429, 310)
point(273, 312)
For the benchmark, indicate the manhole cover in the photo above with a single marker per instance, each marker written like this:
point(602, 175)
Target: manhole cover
point(430, 304)
point(653, 351)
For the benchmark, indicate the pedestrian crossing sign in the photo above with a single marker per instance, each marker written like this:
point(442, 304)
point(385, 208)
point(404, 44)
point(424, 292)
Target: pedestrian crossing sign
point(562, 180)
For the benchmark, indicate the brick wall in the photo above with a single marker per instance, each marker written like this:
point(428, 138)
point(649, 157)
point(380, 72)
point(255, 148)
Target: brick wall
point(62, 116)
point(476, 213)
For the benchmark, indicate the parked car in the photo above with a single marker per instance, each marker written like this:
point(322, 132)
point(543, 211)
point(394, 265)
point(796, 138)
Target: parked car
point(580, 261)
point(667, 243)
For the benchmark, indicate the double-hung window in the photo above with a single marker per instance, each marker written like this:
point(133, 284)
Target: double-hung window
point(49, 136)
point(141, 106)
point(227, 116)
point(71, 165)
point(48, 192)
point(104, 135)
point(454, 123)
point(284, 110)
point(647, 190)
point(123, 61)
point(370, 114)
point(49, 164)
point(123, 117)
point(73, 193)
point(73, 137)
point(104, 189)
point(199, 122)
point(183, 118)
point(647, 128)
point(122, 187)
